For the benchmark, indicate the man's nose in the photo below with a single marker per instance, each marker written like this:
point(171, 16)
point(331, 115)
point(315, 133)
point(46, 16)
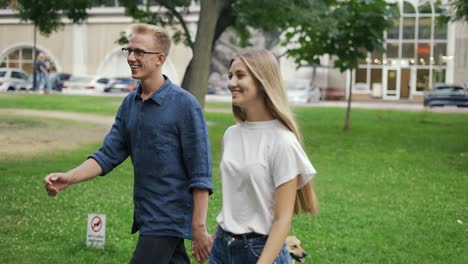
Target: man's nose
point(131, 56)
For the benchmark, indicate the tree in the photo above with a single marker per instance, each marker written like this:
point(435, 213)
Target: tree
point(215, 17)
point(46, 16)
point(349, 30)
point(458, 10)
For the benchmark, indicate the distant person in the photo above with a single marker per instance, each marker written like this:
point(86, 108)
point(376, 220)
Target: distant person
point(265, 172)
point(42, 73)
point(162, 128)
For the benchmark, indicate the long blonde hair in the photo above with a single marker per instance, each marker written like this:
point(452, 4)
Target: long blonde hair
point(264, 67)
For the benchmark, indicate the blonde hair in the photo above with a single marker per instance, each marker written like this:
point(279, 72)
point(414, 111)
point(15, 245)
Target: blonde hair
point(160, 35)
point(41, 56)
point(263, 65)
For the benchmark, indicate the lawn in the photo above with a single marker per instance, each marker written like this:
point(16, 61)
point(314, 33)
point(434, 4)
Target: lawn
point(392, 190)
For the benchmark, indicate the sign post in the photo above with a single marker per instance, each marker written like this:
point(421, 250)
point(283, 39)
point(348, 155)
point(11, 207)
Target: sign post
point(96, 235)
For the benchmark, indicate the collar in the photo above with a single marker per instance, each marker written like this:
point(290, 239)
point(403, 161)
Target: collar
point(158, 96)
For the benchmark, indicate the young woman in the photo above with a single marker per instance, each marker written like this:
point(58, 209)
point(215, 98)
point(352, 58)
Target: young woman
point(265, 172)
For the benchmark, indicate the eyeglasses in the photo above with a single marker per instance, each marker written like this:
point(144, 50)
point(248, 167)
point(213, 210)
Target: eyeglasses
point(138, 53)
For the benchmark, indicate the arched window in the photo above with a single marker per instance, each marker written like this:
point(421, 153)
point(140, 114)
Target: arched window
point(425, 8)
point(408, 8)
point(21, 57)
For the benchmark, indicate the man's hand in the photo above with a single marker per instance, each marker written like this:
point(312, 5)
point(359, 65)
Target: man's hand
point(55, 182)
point(201, 244)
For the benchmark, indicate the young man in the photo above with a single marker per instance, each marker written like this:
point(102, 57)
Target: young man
point(162, 128)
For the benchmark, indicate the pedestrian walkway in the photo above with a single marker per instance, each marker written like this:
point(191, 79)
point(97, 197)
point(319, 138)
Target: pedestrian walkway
point(378, 104)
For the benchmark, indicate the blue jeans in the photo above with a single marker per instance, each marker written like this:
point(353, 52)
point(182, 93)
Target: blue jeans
point(229, 250)
point(42, 77)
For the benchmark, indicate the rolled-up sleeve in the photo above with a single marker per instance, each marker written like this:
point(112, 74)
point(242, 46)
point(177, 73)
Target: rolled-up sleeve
point(114, 149)
point(196, 149)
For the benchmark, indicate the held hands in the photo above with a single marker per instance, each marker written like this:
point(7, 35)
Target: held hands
point(201, 244)
point(55, 182)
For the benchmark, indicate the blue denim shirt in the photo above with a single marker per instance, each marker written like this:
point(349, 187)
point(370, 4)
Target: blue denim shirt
point(167, 139)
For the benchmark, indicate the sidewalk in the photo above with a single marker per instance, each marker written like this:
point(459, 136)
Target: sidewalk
point(380, 104)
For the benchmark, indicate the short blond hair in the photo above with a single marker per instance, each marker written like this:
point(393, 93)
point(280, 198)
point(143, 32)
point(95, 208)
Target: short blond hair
point(161, 36)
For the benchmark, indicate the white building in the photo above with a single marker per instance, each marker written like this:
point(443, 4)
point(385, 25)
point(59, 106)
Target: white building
point(420, 52)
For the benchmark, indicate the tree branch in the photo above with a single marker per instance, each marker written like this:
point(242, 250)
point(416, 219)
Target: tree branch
point(182, 22)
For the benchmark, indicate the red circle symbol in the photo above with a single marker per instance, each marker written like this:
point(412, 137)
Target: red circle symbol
point(96, 224)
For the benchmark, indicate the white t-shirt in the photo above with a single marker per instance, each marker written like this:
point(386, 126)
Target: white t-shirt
point(257, 158)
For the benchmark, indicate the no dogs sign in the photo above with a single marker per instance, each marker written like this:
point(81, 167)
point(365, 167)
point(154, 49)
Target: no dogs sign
point(96, 235)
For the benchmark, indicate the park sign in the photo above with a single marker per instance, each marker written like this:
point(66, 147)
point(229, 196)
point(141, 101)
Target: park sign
point(96, 235)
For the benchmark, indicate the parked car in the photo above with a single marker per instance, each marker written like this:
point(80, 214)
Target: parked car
point(85, 85)
point(121, 84)
point(12, 79)
point(57, 79)
point(445, 94)
point(301, 91)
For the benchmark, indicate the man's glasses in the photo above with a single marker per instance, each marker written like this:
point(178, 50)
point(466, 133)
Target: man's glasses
point(138, 53)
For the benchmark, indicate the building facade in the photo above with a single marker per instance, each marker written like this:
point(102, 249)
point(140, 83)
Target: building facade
point(89, 48)
point(420, 52)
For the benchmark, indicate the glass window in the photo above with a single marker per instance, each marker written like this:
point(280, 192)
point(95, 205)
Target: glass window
point(439, 7)
point(27, 54)
point(15, 55)
point(20, 58)
point(425, 8)
point(16, 75)
point(376, 78)
point(440, 30)
point(440, 54)
point(392, 50)
point(103, 80)
point(425, 28)
point(408, 8)
point(361, 80)
point(438, 76)
point(376, 57)
point(409, 24)
point(422, 80)
point(13, 64)
point(424, 51)
point(407, 50)
point(392, 33)
point(361, 75)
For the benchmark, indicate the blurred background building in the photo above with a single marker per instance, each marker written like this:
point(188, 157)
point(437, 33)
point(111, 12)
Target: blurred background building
point(420, 52)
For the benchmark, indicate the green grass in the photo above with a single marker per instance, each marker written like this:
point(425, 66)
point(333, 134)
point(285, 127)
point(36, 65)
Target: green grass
point(392, 190)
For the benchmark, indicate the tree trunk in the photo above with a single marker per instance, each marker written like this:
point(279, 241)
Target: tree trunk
point(348, 109)
point(196, 75)
point(34, 59)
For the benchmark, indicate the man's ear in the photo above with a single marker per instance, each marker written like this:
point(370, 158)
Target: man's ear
point(161, 59)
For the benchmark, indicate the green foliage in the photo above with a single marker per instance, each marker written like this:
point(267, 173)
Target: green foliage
point(168, 13)
point(46, 15)
point(457, 10)
point(347, 30)
point(272, 16)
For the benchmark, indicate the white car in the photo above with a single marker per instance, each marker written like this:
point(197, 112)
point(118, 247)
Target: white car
point(12, 79)
point(301, 91)
point(85, 85)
